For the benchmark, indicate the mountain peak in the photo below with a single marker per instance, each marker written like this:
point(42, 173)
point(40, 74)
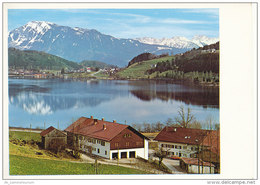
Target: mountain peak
point(180, 41)
point(38, 26)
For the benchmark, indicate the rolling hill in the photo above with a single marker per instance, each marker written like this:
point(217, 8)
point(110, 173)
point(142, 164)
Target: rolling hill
point(38, 60)
point(94, 64)
point(138, 70)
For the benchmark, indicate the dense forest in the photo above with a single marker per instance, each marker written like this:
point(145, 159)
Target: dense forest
point(200, 64)
point(29, 59)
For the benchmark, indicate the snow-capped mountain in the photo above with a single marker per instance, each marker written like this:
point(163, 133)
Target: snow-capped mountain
point(180, 42)
point(78, 44)
point(203, 40)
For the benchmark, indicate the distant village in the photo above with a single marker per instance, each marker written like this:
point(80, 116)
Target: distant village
point(38, 73)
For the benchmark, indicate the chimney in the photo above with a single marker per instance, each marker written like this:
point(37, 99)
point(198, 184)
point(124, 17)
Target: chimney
point(104, 127)
point(95, 121)
point(114, 121)
point(91, 117)
point(103, 119)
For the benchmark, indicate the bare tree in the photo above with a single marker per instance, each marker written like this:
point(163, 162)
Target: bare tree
point(184, 119)
point(210, 122)
point(158, 126)
point(195, 124)
point(161, 154)
point(146, 127)
point(169, 121)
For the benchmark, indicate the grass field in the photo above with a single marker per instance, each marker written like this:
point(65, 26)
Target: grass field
point(23, 160)
point(20, 165)
point(25, 135)
point(138, 70)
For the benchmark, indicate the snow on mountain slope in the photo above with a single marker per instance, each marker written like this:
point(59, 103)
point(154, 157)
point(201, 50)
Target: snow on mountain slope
point(180, 42)
point(78, 44)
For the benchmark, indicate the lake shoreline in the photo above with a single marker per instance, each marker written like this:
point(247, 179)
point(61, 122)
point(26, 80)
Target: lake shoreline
point(168, 81)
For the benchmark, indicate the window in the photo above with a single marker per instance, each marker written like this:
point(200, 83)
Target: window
point(127, 144)
point(105, 152)
point(94, 149)
point(191, 148)
point(172, 146)
point(172, 153)
point(179, 147)
point(184, 147)
point(103, 143)
point(116, 144)
point(176, 146)
point(93, 141)
point(98, 150)
point(127, 135)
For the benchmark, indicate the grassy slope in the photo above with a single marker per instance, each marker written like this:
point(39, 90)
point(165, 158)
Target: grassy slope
point(25, 135)
point(24, 161)
point(92, 63)
point(138, 70)
point(20, 165)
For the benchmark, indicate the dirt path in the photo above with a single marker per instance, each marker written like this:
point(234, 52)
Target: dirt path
point(128, 163)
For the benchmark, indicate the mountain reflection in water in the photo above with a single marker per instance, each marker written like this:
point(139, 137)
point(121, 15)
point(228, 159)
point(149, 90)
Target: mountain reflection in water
point(205, 98)
point(55, 100)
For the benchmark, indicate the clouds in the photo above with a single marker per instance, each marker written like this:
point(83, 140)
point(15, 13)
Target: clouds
point(129, 23)
point(183, 21)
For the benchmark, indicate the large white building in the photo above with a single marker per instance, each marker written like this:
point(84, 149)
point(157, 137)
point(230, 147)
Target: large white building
point(187, 142)
point(107, 139)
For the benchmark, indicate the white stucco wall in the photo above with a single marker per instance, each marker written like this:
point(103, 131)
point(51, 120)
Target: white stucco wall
point(194, 169)
point(138, 152)
point(97, 146)
point(146, 149)
point(190, 149)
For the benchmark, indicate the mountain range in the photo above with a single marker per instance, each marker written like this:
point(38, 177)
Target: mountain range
point(180, 42)
point(78, 44)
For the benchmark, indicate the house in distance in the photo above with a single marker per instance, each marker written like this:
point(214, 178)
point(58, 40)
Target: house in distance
point(106, 139)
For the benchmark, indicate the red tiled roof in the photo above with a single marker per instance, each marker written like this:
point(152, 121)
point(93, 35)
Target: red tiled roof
point(194, 161)
point(86, 127)
point(43, 133)
point(182, 135)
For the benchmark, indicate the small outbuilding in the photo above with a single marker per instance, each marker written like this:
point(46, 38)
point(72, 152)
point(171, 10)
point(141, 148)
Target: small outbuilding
point(194, 165)
point(53, 138)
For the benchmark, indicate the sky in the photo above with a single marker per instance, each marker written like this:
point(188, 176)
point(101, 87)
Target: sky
point(126, 23)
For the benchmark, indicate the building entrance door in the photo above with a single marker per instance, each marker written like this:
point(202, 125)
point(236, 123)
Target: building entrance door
point(123, 155)
point(132, 154)
point(115, 155)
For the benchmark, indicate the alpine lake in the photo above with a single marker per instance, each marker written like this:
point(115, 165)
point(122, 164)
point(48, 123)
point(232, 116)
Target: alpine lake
point(40, 103)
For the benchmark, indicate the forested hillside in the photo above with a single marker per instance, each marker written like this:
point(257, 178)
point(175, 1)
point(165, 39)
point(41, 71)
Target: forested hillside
point(200, 64)
point(37, 60)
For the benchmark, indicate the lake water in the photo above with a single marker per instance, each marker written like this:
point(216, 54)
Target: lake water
point(59, 102)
